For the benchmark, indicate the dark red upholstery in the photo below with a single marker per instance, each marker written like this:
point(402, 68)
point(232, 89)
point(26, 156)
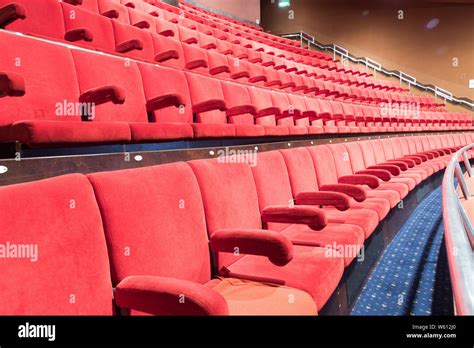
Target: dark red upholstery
point(61, 218)
point(47, 113)
point(153, 254)
point(236, 206)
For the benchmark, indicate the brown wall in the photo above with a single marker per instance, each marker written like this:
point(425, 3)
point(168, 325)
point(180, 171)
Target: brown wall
point(371, 28)
point(246, 9)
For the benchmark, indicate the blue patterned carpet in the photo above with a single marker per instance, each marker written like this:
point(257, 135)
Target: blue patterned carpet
point(411, 277)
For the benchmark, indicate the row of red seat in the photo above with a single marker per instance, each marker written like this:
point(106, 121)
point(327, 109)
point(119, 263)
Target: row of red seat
point(282, 227)
point(212, 18)
point(57, 95)
point(188, 44)
point(224, 18)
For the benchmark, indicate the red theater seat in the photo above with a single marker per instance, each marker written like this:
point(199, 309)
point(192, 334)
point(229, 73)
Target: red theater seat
point(162, 249)
point(235, 206)
point(133, 106)
point(46, 111)
point(266, 113)
point(209, 108)
point(273, 189)
point(305, 170)
point(375, 185)
point(57, 279)
point(88, 29)
point(35, 17)
point(240, 110)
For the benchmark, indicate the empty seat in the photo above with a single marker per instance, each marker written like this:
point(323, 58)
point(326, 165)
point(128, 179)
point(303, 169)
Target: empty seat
point(209, 108)
point(168, 51)
point(54, 277)
point(113, 10)
point(266, 113)
point(358, 166)
point(119, 97)
point(396, 170)
point(240, 111)
point(85, 28)
point(42, 106)
point(305, 169)
point(347, 174)
point(233, 204)
point(35, 17)
point(171, 254)
point(288, 113)
point(274, 189)
point(133, 42)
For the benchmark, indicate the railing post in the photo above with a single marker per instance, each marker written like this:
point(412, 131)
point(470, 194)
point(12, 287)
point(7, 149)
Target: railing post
point(462, 181)
point(467, 221)
point(467, 164)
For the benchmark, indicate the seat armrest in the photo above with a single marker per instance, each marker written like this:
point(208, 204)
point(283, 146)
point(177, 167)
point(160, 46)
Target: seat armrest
point(401, 165)
point(335, 199)
point(435, 153)
point(268, 111)
point(356, 192)
point(415, 159)
point(104, 94)
point(219, 70)
point(196, 63)
point(129, 45)
point(408, 162)
point(258, 78)
point(271, 244)
point(168, 296)
point(209, 105)
point(307, 215)
point(164, 101)
point(112, 14)
point(379, 173)
point(393, 169)
point(11, 84)
point(241, 110)
point(166, 55)
point(11, 13)
point(428, 154)
point(78, 34)
point(370, 180)
point(418, 156)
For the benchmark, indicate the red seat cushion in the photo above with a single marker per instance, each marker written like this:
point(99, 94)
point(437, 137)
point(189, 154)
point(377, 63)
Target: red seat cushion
point(246, 297)
point(276, 131)
point(379, 205)
point(310, 270)
point(58, 217)
point(142, 132)
point(39, 133)
point(338, 237)
point(236, 205)
point(390, 195)
point(401, 188)
point(202, 130)
point(365, 218)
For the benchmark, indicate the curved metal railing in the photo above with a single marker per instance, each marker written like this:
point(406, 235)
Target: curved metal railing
point(338, 51)
point(459, 232)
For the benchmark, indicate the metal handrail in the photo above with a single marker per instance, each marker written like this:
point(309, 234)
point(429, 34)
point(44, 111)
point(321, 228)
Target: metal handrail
point(337, 50)
point(459, 233)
